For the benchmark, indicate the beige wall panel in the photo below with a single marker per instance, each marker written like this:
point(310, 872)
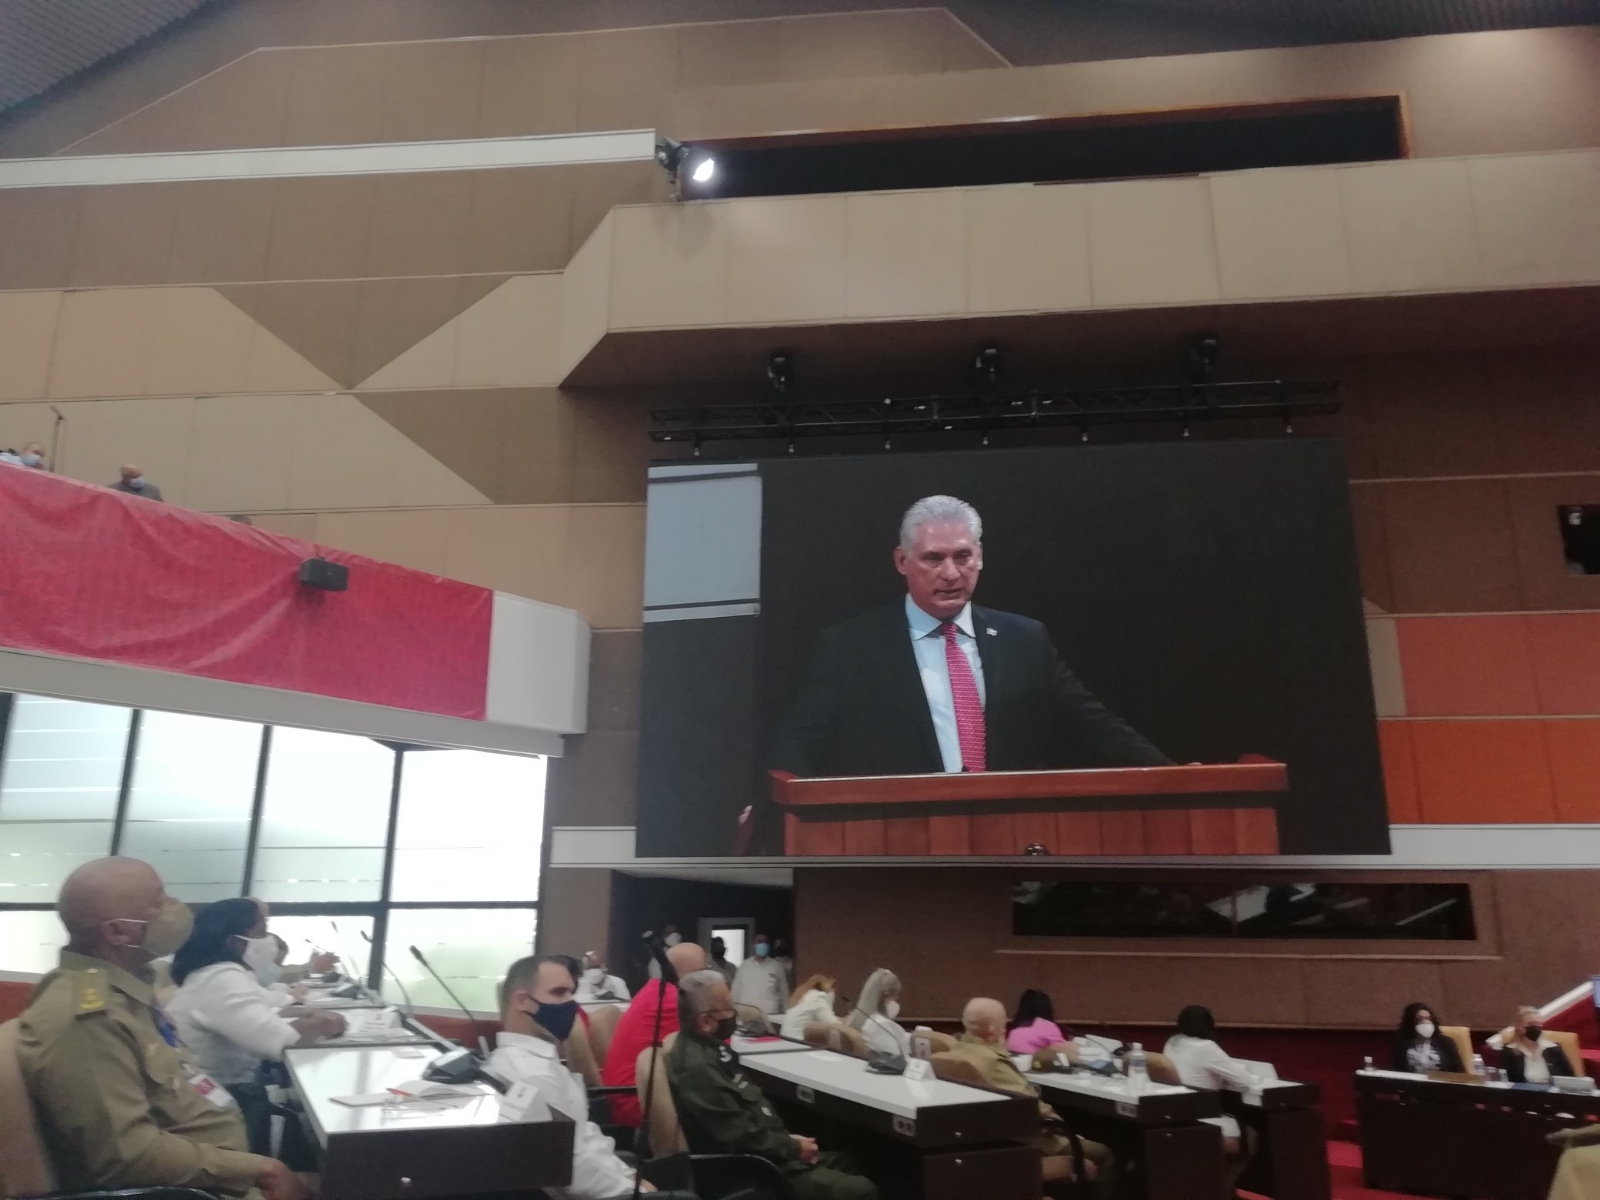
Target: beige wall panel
point(222, 231)
point(277, 367)
point(27, 336)
point(22, 422)
point(320, 227)
point(241, 451)
point(605, 564)
point(297, 525)
point(598, 189)
point(199, 343)
point(1538, 218)
point(574, 909)
point(317, 320)
point(610, 450)
point(670, 259)
point(731, 53)
point(102, 343)
point(518, 550)
point(858, 44)
point(1027, 247)
point(786, 258)
point(511, 338)
point(124, 235)
point(392, 315)
point(244, 106)
point(154, 432)
point(431, 90)
point(431, 363)
point(622, 74)
point(1151, 242)
point(903, 254)
point(1409, 226)
point(336, 96)
point(41, 225)
point(346, 456)
point(522, 219)
point(1383, 656)
point(530, 85)
point(586, 296)
point(417, 538)
point(420, 223)
point(1279, 234)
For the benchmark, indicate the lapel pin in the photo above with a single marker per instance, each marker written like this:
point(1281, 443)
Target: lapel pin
point(989, 631)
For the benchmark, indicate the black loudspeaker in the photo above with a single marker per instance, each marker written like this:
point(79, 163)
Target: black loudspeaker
point(324, 575)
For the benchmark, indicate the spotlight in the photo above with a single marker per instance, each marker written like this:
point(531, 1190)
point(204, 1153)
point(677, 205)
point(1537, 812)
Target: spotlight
point(1202, 358)
point(780, 371)
point(676, 159)
point(669, 154)
point(705, 170)
point(986, 365)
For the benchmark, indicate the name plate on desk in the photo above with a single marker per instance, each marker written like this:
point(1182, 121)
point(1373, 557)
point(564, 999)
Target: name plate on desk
point(918, 1068)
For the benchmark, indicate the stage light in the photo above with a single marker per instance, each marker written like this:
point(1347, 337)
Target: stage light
point(705, 170)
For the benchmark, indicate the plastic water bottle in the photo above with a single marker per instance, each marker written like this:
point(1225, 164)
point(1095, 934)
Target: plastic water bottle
point(1138, 1076)
point(1366, 1063)
point(1477, 1064)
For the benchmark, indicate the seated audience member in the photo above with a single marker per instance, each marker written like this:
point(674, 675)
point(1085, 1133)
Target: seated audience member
point(724, 1113)
point(812, 1002)
point(31, 455)
point(538, 1008)
point(120, 1101)
point(596, 983)
point(875, 1014)
point(719, 960)
point(761, 981)
point(1530, 1057)
point(225, 1013)
point(983, 1044)
point(135, 484)
point(1034, 1025)
point(1419, 1046)
point(634, 1031)
point(1202, 1063)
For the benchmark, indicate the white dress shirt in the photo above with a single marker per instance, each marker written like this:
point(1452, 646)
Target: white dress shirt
point(230, 1022)
point(595, 984)
point(927, 642)
point(886, 1036)
point(763, 983)
point(814, 1007)
point(597, 1172)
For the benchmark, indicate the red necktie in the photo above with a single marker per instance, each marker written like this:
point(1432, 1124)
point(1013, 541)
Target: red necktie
point(968, 705)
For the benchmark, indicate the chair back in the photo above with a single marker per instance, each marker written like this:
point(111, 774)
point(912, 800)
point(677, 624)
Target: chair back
point(665, 1133)
point(1160, 1069)
point(25, 1167)
point(602, 1027)
point(1462, 1037)
point(1568, 1041)
point(827, 1035)
point(957, 1068)
point(580, 1054)
point(925, 1043)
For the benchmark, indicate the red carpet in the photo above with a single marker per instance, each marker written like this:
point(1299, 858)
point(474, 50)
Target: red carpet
point(1344, 1164)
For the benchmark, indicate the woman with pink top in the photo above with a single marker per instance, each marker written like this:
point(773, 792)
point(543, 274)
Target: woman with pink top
point(1034, 1025)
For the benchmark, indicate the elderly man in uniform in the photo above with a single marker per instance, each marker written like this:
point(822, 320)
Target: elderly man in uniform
point(120, 1102)
point(724, 1113)
point(984, 1044)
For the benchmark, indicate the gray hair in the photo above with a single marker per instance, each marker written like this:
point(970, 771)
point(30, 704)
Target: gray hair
point(931, 509)
point(881, 983)
point(694, 993)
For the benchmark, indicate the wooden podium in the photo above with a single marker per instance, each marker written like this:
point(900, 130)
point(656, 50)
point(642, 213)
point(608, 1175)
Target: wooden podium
point(1224, 809)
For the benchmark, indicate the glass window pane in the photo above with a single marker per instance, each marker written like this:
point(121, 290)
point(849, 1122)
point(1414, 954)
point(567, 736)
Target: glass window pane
point(341, 935)
point(194, 779)
point(58, 791)
point(470, 826)
point(471, 948)
point(324, 818)
point(30, 942)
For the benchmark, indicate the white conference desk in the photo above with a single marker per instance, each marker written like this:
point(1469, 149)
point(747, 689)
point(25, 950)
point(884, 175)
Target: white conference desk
point(847, 1078)
point(773, 1044)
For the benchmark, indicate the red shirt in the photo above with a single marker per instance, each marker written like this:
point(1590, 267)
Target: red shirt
point(631, 1036)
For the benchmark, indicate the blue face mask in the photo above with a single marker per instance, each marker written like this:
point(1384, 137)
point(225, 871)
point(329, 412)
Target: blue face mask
point(762, 949)
point(558, 1018)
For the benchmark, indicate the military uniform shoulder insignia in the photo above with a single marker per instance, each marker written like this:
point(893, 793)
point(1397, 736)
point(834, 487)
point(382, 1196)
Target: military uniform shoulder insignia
point(91, 992)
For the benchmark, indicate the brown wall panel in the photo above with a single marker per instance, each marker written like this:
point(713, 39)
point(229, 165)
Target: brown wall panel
point(574, 911)
point(222, 231)
point(593, 782)
point(1450, 546)
point(1549, 410)
point(335, 99)
point(1546, 582)
point(321, 227)
point(41, 227)
point(1430, 415)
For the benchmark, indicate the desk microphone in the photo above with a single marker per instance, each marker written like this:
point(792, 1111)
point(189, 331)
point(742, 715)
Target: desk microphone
point(407, 1007)
point(877, 1060)
point(483, 1042)
point(343, 945)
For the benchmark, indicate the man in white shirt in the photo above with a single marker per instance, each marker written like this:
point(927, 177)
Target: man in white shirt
point(537, 1012)
point(597, 982)
point(761, 980)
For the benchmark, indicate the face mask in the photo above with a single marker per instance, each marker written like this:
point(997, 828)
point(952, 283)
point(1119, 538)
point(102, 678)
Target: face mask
point(32, 460)
point(762, 949)
point(261, 956)
point(168, 931)
point(726, 1027)
point(1425, 1030)
point(672, 939)
point(594, 976)
point(891, 1009)
point(1534, 1032)
point(557, 1018)
point(136, 482)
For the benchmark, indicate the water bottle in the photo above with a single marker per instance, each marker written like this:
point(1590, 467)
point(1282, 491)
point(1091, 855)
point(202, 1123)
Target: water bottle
point(1138, 1076)
point(1477, 1064)
point(1366, 1063)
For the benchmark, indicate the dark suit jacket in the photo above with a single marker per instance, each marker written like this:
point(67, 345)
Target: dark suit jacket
point(1516, 1064)
point(861, 709)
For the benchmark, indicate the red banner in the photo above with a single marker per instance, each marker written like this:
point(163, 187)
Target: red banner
point(98, 574)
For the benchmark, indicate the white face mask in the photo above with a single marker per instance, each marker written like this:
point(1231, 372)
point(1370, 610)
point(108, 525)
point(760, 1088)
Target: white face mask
point(31, 459)
point(672, 939)
point(261, 956)
point(136, 481)
point(891, 1009)
point(1425, 1030)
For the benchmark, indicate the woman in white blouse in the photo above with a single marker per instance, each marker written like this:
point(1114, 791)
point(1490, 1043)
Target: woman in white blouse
point(226, 1014)
point(1201, 1063)
point(875, 1015)
point(811, 1002)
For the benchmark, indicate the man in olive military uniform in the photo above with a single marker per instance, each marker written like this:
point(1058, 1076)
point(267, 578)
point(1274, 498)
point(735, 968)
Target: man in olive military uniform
point(724, 1113)
point(983, 1045)
point(120, 1103)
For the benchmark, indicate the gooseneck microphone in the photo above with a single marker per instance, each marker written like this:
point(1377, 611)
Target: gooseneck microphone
point(669, 975)
point(405, 996)
point(483, 1042)
point(877, 1060)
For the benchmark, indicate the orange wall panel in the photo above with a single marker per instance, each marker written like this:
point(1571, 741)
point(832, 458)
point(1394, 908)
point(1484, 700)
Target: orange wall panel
point(1467, 666)
point(1574, 754)
point(1482, 772)
point(1399, 772)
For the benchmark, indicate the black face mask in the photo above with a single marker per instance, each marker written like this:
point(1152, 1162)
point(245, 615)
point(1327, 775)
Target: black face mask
point(1534, 1032)
point(726, 1026)
point(557, 1018)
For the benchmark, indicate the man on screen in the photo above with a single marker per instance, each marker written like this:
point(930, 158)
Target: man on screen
point(936, 683)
